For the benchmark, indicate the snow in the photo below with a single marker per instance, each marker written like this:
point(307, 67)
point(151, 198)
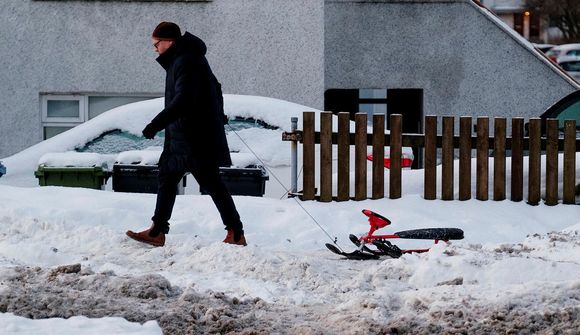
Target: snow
point(75, 325)
point(67, 267)
point(76, 159)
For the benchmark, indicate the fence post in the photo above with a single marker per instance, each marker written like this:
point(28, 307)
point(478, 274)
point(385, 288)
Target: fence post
point(569, 178)
point(360, 163)
point(465, 157)
point(308, 189)
point(551, 162)
point(482, 177)
point(499, 171)
point(325, 156)
point(378, 156)
point(517, 174)
point(430, 179)
point(534, 161)
point(447, 159)
point(343, 157)
point(294, 158)
point(395, 156)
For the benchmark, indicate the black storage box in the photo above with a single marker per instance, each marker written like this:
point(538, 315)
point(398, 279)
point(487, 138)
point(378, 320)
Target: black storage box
point(138, 179)
point(250, 180)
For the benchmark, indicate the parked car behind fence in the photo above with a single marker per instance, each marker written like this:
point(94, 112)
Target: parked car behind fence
point(571, 66)
point(564, 50)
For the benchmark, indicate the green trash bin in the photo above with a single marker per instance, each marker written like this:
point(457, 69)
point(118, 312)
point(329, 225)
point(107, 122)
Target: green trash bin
point(93, 177)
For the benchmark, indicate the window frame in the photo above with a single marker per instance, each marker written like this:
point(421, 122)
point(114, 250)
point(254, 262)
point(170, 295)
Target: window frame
point(55, 125)
point(45, 98)
point(83, 99)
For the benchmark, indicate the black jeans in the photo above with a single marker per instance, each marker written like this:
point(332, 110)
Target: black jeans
point(208, 178)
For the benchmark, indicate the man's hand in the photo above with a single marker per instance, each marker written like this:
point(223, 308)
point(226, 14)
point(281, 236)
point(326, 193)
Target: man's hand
point(149, 132)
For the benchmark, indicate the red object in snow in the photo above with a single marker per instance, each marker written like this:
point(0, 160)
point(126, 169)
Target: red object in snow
point(406, 162)
point(386, 248)
point(378, 221)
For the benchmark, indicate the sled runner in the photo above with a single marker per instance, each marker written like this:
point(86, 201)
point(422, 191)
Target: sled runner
point(383, 247)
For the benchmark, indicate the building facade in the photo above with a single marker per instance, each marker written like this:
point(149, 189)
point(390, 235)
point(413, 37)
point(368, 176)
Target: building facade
point(64, 62)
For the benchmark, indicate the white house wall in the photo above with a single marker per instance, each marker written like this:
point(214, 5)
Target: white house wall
point(271, 48)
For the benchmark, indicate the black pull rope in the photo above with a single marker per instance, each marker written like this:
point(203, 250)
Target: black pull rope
point(334, 240)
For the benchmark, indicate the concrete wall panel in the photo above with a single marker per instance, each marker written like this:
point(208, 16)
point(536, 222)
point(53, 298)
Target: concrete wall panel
point(464, 61)
point(271, 48)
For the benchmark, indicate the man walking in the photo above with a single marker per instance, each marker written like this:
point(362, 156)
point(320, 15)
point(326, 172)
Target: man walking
point(195, 139)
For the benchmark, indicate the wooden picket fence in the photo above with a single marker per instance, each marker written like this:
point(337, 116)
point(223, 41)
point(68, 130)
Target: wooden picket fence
point(536, 145)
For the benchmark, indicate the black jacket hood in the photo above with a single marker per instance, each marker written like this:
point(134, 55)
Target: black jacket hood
point(186, 44)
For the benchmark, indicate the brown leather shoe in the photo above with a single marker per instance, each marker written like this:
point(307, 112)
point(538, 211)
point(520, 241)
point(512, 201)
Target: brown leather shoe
point(230, 238)
point(143, 236)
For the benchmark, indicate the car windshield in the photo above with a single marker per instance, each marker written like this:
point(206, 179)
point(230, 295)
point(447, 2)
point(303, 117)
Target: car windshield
point(239, 123)
point(116, 141)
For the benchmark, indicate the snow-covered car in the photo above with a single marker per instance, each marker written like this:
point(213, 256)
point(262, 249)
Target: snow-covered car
point(254, 135)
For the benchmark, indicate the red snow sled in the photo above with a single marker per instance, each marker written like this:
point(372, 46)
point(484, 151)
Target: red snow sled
point(386, 248)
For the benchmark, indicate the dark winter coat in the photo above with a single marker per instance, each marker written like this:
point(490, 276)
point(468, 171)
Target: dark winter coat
point(193, 117)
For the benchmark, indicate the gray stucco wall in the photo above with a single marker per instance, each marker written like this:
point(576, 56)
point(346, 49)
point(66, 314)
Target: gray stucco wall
point(287, 49)
point(464, 62)
point(271, 48)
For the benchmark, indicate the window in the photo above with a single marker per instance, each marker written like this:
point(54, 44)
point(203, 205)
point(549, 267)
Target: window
point(63, 112)
point(573, 52)
point(405, 101)
point(99, 104)
point(372, 101)
point(55, 129)
point(60, 108)
point(365, 100)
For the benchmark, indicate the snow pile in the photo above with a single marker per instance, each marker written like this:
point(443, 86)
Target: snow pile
point(140, 157)
point(63, 253)
point(64, 256)
point(14, 325)
point(76, 159)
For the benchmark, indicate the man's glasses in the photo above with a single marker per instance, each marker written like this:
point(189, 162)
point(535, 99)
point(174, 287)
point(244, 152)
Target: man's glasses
point(156, 44)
